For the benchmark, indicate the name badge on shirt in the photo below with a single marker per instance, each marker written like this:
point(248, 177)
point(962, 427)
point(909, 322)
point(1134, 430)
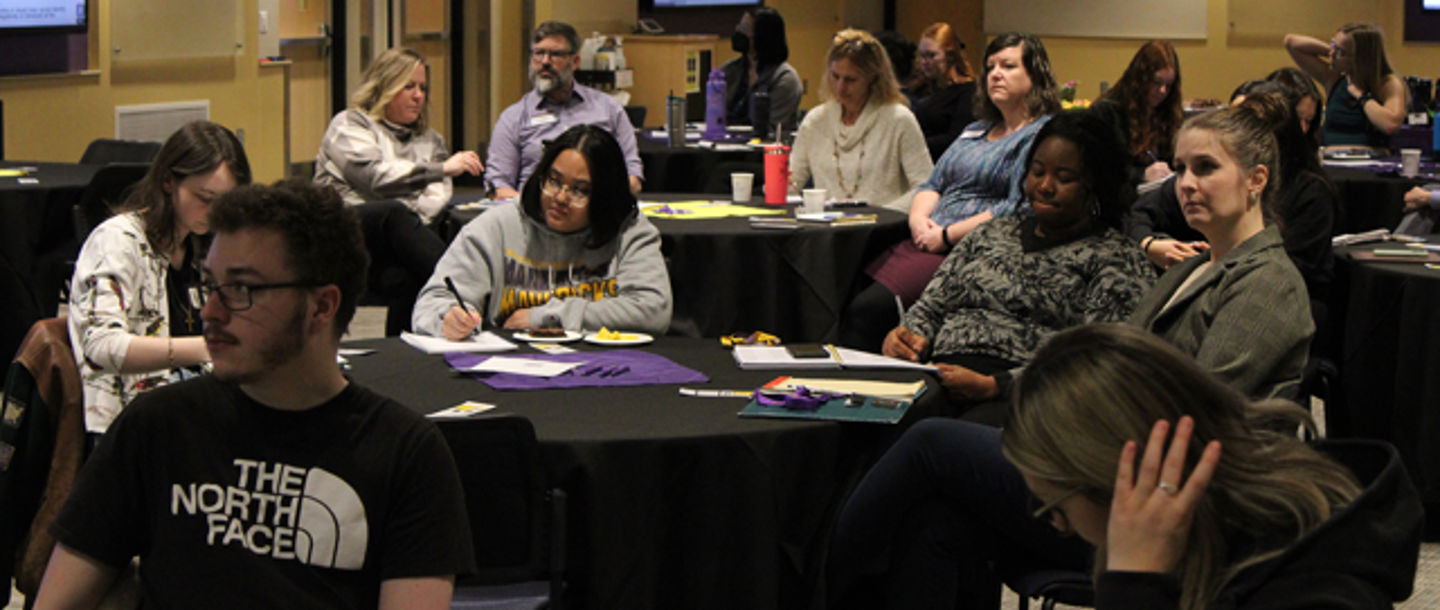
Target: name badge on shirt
point(972, 133)
point(543, 119)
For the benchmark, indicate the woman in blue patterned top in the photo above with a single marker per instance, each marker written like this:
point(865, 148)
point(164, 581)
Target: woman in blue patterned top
point(978, 178)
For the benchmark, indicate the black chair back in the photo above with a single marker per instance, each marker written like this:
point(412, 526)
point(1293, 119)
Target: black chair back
point(107, 150)
point(516, 525)
point(106, 189)
point(636, 114)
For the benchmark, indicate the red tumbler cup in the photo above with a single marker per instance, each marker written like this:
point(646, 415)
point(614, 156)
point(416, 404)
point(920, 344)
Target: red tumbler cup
point(777, 173)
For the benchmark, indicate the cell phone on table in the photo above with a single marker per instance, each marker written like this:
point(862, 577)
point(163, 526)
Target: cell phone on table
point(807, 350)
point(847, 203)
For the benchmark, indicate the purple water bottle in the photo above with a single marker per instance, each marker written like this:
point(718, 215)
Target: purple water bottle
point(715, 106)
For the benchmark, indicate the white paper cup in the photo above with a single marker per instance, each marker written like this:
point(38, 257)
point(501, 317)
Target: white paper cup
point(1409, 162)
point(741, 185)
point(813, 201)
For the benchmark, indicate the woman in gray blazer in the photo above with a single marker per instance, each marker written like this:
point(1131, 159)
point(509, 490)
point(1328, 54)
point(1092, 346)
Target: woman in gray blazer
point(1241, 308)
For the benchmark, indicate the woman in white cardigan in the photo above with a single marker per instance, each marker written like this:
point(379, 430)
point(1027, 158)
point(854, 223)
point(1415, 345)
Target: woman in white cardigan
point(863, 143)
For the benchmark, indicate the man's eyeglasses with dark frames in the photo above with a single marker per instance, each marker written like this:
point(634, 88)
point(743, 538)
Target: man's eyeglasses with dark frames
point(240, 297)
point(543, 54)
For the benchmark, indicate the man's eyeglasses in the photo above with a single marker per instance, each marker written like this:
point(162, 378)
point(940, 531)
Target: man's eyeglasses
point(543, 54)
point(240, 297)
point(579, 197)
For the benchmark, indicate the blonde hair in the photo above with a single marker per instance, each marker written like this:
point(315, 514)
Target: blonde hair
point(863, 50)
point(1091, 388)
point(385, 78)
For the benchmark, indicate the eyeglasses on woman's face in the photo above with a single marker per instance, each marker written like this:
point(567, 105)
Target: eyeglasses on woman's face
point(553, 186)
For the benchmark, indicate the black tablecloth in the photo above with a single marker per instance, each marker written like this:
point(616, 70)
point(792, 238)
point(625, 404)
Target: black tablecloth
point(36, 233)
point(687, 169)
point(727, 277)
point(675, 502)
point(1369, 200)
point(1389, 359)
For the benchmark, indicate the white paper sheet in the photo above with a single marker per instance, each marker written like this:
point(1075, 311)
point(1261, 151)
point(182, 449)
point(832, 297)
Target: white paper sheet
point(523, 366)
point(483, 342)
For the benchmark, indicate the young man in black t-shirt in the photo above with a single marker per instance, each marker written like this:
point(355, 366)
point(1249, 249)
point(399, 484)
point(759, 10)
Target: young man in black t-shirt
point(274, 482)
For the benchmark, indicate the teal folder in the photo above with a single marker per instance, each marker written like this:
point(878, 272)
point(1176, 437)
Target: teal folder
point(871, 410)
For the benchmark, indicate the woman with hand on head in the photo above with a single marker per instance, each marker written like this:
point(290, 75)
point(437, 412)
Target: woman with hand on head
point(1367, 100)
point(978, 178)
point(574, 250)
point(942, 90)
point(134, 310)
point(1145, 108)
point(862, 143)
point(382, 157)
point(1220, 512)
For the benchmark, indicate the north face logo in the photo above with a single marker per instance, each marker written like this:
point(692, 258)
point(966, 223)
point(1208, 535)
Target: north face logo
point(282, 511)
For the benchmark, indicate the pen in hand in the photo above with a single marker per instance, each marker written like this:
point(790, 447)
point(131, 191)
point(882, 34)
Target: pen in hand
point(450, 285)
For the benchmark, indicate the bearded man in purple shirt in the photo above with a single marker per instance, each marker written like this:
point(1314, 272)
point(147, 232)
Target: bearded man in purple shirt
point(556, 104)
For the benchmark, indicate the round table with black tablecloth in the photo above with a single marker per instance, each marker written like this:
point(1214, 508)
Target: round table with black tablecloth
point(674, 502)
point(36, 237)
point(1369, 200)
point(687, 169)
point(1389, 359)
point(728, 277)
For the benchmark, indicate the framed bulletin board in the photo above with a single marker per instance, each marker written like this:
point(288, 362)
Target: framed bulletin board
point(175, 29)
point(1144, 19)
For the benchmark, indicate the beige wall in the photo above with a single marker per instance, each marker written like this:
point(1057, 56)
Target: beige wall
point(53, 118)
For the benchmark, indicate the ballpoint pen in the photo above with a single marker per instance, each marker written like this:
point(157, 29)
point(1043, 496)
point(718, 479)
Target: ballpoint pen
point(450, 285)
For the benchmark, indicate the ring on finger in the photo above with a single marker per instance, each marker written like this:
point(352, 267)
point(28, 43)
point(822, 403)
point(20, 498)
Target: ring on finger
point(1168, 488)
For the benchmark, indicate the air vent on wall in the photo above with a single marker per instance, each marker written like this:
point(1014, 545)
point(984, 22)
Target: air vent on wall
point(155, 122)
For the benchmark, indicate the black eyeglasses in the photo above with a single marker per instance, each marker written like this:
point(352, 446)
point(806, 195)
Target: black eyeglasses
point(240, 297)
point(543, 54)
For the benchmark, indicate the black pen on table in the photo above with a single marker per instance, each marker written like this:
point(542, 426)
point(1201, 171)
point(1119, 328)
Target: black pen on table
point(450, 285)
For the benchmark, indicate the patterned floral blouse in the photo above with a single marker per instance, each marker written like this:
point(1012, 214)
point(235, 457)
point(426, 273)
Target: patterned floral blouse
point(118, 292)
point(1002, 291)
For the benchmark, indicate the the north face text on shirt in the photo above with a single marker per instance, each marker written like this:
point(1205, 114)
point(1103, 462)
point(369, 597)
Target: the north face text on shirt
point(282, 511)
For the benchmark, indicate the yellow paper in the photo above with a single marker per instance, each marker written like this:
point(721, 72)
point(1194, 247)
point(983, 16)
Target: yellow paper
point(12, 173)
point(888, 389)
point(698, 210)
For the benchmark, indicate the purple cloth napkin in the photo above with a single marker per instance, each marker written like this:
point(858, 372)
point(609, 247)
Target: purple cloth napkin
point(644, 368)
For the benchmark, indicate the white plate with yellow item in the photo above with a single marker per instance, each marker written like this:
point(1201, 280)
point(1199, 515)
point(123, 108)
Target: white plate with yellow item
point(605, 336)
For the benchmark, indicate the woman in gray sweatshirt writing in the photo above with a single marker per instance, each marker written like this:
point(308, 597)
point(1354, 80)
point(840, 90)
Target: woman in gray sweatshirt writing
point(574, 248)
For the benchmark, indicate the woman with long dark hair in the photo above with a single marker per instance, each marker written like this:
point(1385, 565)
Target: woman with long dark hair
point(1367, 100)
point(1145, 108)
point(574, 249)
point(134, 310)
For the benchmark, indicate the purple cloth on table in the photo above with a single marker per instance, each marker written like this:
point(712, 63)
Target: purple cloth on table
point(645, 369)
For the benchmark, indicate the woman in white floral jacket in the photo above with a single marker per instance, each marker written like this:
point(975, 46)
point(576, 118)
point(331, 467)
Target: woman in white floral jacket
point(134, 299)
